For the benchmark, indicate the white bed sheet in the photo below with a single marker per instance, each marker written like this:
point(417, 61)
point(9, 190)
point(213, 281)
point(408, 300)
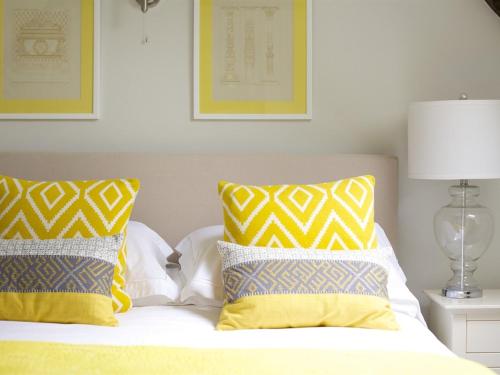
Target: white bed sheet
point(191, 326)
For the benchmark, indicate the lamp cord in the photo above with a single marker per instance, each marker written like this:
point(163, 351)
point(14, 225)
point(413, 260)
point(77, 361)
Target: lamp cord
point(464, 184)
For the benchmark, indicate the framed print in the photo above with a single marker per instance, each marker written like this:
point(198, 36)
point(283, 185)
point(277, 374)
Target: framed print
point(252, 59)
point(49, 59)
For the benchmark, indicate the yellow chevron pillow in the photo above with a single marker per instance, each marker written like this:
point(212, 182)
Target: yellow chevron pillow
point(334, 215)
point(46, 210)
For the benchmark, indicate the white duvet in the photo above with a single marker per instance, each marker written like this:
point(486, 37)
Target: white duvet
point(190, 326)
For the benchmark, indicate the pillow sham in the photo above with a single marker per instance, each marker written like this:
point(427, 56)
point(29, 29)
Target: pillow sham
point(149, 283)
point(67, 209)
point(60, 280)
point(287, 288)
point(201, 270)
point(201, 267)
point(333, 216)
point(385, 244)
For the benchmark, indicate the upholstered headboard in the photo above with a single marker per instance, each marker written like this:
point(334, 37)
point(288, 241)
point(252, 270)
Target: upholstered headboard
point(179, 192)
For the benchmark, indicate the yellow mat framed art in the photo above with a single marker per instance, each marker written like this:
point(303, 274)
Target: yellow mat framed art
point(49, 54)
point(252, 59)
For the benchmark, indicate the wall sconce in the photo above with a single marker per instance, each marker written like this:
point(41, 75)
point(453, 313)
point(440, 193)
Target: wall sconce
point(146, 4)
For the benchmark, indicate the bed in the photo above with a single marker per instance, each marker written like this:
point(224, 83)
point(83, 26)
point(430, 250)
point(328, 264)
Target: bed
point(178, 195)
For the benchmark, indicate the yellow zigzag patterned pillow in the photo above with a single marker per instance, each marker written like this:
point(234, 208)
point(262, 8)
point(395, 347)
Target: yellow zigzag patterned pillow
point(334, 215)
point(68, 209)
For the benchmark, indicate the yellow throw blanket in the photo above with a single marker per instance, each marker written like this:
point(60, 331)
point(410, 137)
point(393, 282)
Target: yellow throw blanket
point(49, 358)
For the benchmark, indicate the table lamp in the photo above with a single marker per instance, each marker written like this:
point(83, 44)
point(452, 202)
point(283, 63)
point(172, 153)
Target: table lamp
point(458, 140)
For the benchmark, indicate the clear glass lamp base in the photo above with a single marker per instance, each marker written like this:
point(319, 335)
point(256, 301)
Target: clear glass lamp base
point(463, 284)
point(463, 230)
point(460, 294)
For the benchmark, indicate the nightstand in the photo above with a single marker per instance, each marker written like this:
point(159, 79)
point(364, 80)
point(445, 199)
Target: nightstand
point(468, 327)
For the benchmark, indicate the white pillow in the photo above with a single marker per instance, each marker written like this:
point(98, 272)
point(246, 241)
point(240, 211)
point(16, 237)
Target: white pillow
point(201, 271)
point(149, 283)
point(201, 267)
point(383, 242)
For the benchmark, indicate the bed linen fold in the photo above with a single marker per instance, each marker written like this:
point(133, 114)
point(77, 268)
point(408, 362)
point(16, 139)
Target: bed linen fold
point(48, 358)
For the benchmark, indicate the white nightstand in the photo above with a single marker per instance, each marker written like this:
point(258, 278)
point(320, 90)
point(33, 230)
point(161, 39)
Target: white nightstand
point(469, 327)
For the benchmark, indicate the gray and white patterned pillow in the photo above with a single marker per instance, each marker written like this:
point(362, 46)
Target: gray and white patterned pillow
point(278, 288)
point(60, 280)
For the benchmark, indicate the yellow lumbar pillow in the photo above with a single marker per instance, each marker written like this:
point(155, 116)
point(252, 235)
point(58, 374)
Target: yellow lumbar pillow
point(335, 215)
point(58, 281)
point(67, 209)
point(288, 288)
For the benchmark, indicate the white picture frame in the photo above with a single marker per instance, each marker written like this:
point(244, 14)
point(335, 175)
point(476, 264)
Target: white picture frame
point(96, 88)
point(199, 115)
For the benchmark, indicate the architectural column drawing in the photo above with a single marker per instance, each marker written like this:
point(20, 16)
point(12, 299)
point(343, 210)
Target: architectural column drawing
point(230, 75)
point(249, 45)
point(270, 51)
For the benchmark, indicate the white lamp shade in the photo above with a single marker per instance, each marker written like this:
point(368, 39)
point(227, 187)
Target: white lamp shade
point(453, 140)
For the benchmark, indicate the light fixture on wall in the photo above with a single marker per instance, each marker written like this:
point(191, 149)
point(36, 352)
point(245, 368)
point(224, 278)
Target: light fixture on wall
point(146, 4)
point(458, 140)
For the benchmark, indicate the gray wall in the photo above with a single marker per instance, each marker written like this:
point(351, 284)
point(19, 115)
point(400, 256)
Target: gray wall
point(371, 59)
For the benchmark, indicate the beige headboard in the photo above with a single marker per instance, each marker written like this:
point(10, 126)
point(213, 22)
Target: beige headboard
point(179, 192)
